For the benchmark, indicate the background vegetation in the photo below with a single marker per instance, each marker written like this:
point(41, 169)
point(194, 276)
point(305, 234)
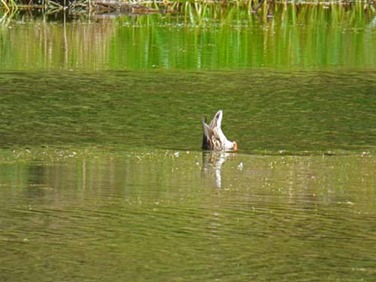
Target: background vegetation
point(169, 5)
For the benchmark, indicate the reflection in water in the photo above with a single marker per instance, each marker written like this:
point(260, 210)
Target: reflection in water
point(36, 174)
point(212, 165)
point(36, 181)
point(134, 213)
point(296, 36)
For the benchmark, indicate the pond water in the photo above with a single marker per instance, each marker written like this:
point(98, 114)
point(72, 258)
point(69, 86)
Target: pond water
point(101, 172)
point(80, 216)
point(196, 37)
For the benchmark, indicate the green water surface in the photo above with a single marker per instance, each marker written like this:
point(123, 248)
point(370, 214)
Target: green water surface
point(264, 110)
point(102, 177)
point(195, 37)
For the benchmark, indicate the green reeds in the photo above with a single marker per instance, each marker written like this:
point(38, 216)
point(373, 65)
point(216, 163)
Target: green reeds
point(9, 5)
point(199, 4)
point(198, 37)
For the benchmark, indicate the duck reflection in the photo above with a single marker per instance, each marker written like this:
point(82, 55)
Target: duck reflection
point(212, 165)
point(36, 180)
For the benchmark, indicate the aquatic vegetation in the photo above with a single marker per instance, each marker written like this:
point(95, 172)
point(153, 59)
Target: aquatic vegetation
point(201, 8)
point(210, 37)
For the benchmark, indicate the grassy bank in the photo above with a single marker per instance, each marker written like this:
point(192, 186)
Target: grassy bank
point(166, 5)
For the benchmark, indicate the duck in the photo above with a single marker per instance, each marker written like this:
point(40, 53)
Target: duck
point(213, 137)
